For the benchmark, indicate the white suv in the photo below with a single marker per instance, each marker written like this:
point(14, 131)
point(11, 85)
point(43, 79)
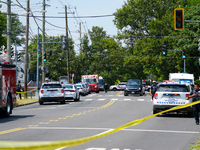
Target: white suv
point(51, 92)
point(170, 95)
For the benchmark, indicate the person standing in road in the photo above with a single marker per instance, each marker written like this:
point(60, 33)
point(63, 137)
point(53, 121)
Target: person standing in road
point(195, 97)
point(19, 87)
point(153, 89)
point(106, 87)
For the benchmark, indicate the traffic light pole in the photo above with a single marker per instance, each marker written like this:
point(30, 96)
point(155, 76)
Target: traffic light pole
point(184, 64)
point(43, 40)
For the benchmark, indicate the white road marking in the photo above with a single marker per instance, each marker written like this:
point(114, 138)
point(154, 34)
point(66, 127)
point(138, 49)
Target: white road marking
point(120, 95)
point(95, 149)
point(101, 99)
point(88, 100)
point(91, 95)
point(110, 129)
point(140, 99)
point(127, 99)
point(105, 132)
point(114, 99)
point(110, 95)
point(100, 96)
point(61, 148)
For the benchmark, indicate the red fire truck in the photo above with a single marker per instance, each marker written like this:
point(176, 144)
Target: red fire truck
point(7, 88)
point(93, 82)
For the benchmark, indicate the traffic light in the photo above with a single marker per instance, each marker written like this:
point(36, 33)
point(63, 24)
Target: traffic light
point(44, 59)
point(164, 50)
point(184, 53)
point(12, 53)
point(179, 19)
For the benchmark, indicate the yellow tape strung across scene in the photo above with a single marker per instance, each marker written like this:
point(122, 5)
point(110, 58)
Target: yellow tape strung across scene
point(17, 145)
point(26, 91)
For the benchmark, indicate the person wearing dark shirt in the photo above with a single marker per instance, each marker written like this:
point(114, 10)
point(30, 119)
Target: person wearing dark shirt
point(19, 87)
point(195, 97)
point(106, 87)
point(153, 89)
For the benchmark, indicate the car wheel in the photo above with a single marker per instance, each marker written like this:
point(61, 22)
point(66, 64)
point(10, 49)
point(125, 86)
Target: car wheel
point(8, 108)
point(97, 91)
point(141, 93)
point(40, 102)
point(63, 102)
point(154, 111)
point(125, 94)
point(190, 114)
point(114, 89)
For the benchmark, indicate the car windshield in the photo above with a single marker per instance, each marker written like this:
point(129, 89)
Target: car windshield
point(132, 82)
point(48, 86)
point(173, 88)
point(68, 86)
point(122, 84)
point(183, 80)
point(90, 80)
point(101, 82)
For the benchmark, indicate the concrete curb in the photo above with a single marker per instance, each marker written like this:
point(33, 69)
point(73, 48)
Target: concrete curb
point(27, 104)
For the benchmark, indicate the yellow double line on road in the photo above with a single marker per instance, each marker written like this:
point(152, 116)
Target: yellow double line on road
point(78, 114)
point(5, 145)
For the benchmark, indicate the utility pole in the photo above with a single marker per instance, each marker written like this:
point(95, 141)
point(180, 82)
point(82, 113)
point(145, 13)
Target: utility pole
point(43, 40)
point(80, 36)
point(68, 71)
point(8, 30)
point(38, 46)
point(26, 50)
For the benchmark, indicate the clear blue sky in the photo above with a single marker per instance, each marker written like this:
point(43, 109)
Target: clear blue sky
point(84, 8)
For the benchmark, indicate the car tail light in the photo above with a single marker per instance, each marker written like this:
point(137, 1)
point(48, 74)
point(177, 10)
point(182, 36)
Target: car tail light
point(62, 90)
point(81, 88)
point(156, 96)
point(187, 96)
point(72, 91)
point(42, 91)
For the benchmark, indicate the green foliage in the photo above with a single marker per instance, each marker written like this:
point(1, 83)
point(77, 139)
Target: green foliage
point(57, 63)
point(197, 82)
point(117, 82)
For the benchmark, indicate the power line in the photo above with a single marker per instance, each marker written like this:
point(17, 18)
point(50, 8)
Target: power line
point(110, 15)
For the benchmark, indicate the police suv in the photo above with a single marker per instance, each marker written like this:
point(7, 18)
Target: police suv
point(51, 92)
point(171, 94)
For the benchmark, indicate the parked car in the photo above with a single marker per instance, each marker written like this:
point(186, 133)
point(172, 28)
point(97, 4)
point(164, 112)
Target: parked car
point(134, 87)
point(147, 87)
point(71, 92)
point(87, 88)
point(81, 88)
point(118, 87)
point(51, 92)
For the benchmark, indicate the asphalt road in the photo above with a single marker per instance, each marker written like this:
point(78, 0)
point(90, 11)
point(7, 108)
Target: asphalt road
point(99, 113)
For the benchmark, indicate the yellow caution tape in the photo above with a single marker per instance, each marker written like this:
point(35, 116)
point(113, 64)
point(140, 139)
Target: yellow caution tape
point(16, 145)
point(26, 91)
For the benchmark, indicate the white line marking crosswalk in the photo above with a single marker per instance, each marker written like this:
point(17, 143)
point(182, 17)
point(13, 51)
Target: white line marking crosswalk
point(101, 99)
point(140, 99)
point(114, 99)
point(88, 99)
